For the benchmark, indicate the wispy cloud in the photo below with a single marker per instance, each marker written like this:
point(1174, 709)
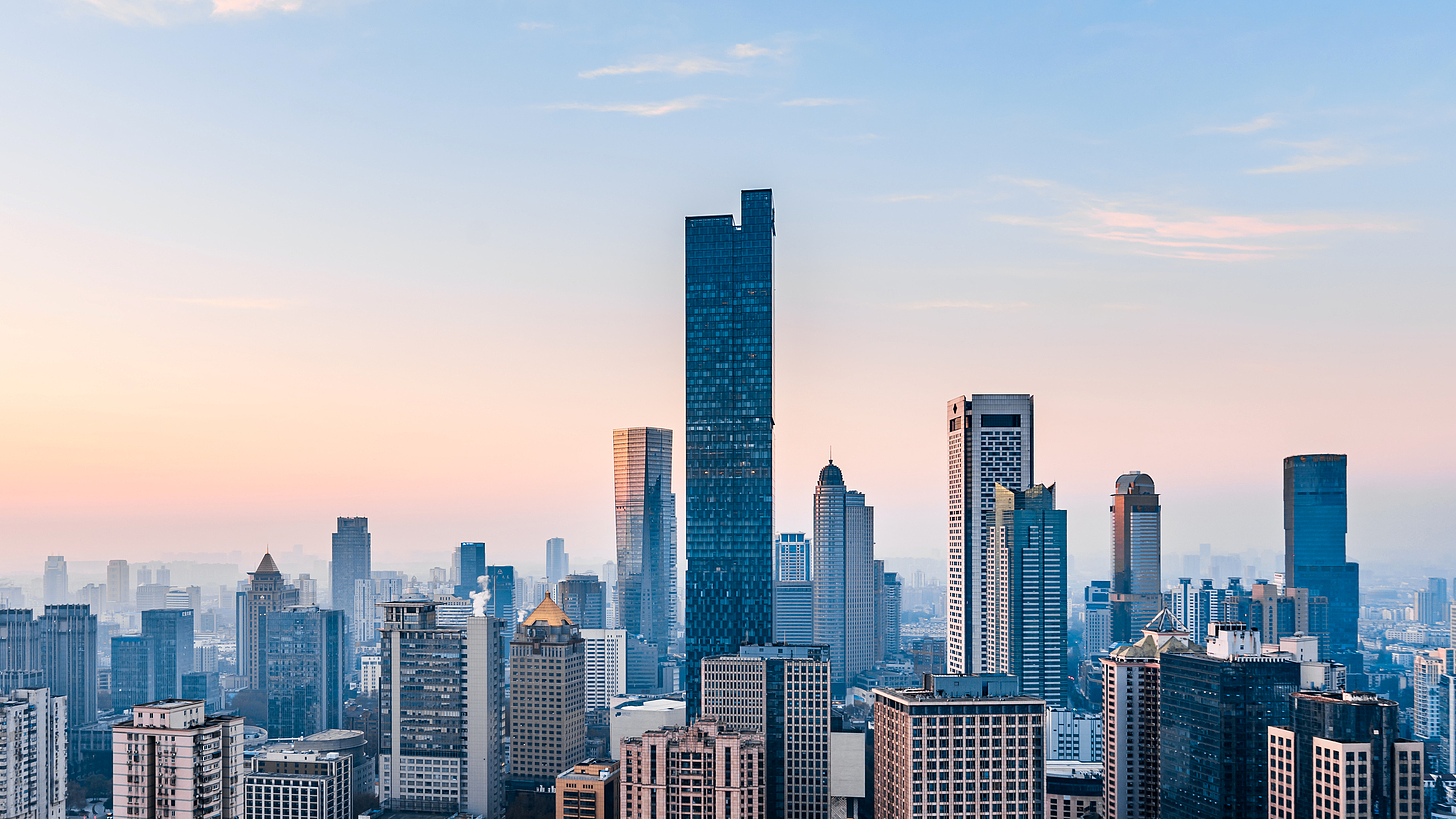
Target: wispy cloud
point(747, 50)
point(815, 102)
point(995, 306)
point(1252, 126)
point(1176, 232)
point(1316, 156)
point(641, 109)
point(224, 7)
point(530, 26)
point(682, 66)
point(164, 12)
point(234, 303)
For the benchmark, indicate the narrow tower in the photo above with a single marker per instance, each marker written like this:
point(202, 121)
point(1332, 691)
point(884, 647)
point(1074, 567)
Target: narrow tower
point(1137, 567)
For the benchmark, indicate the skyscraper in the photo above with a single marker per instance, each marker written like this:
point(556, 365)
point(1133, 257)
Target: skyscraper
point(729, 432)
point(646, 601)
point(1137, 555)
point(133, 672)
point(423, 748)
point(171, 752)
point(1315, 522)
point(890, 613)
point(1026, 592)
point(56, 590)
point(68, 655)
point(500, 582)
point(118, 583)
point(990, 441)
point(558, 562)
point(352, 561)
point(302, 671)
point(170, 635)
point(32, 754)
point(584, 599)
point(266, 592)
point(844, 591)
point(472, 568)
point(792, 557)
point(548, 695)
point(793, 593)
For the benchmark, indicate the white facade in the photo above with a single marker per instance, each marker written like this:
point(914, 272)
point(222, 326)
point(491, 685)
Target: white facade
point(299, 786)
point(606, 665)
point(1074, 736)
point(369, 675)
point(989, 440)
point(1097, 635)
point(32, 755)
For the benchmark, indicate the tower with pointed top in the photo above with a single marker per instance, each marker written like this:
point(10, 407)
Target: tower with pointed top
point(844, 589)
point(548, 696)
point(266, 592)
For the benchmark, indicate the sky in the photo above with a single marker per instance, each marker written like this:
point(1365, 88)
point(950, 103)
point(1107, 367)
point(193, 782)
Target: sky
point(270, 262)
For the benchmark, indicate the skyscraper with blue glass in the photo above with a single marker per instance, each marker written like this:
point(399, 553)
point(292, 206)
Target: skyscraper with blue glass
point(729, 441)
point(1315, 522)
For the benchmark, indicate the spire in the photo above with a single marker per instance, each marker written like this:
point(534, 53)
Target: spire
point(267, 566)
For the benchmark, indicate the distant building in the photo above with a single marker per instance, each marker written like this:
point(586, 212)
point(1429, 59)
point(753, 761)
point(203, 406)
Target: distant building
point(635, 717)
point(606, 665)
point(1074, 735)
point(266, 592)
point(56, 588)
point(472, 569)
point(890, 611)
point(369, 595)
point(1073, 791)
point(588, 790)
point(307, 785)
point(352, 562)
point(68, 655)
point(172, 760)
point(369, 675)
point(584, 599)
point(548, 696)
point(304, 651)
point(1137, 555)
point(118, 584)
point(709, 764)
point(951, 708)
point(793, 557)
point(133, 672)
point(205, 686)
point(32, 754)
point(844, 592)
point(558, 562)
point(1097, 620)
point(500, 582)
point(152, 596)
point(793, 612)
point(928, 655)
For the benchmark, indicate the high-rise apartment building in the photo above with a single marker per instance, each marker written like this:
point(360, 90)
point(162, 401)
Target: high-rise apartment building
point(927, 762)
point(172, 760)
point(304, 651)
point(32, 754)
point(1026, 592)
point(844, 591)
point(266, 592)
point(68, 657)
point(584, 599)
point(792, 557)
point(548, 696)
point(1097, 618)
point(606, 665)
point(472, 570)
point(781, 693)
point(1137, 555)
point(1215, 711)
point(368, 617)
point(588, 790)
point(729, 432)
point(990, 442)
point(1315, 522)
point(500, 582)
point(1342, 758)
point(352, 562)
point(292, 785)
point(56, 588)
point(423, 748)
point(1131, 718)
point(118, 583)
point(558, 562)
point(889, 609)
point(170, 634)
point(704, 770)
point(647, 595)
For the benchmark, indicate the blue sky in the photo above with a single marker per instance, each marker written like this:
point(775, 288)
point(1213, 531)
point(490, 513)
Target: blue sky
point(272, 262)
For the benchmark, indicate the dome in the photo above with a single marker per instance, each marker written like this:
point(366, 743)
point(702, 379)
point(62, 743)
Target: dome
point(1135, 483)
point(831, 475)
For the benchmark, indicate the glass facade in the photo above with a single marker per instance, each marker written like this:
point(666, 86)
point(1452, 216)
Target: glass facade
point(1315, 516)
point(472, 569)
point(646, 592)
point(352, 546)
point(170, 633)
point(303, 655)
point(729, 453)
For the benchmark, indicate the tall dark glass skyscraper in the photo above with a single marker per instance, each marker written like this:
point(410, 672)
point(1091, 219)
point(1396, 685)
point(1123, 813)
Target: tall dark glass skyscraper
point(1315, 514)
point(352, 548)
point(170, 633)
point(729, 452)
point(646, 534)
point(472, 568)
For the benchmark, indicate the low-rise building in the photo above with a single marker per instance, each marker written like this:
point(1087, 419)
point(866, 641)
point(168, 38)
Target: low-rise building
point(299, 786)
point(702, 770)
point(588, 790)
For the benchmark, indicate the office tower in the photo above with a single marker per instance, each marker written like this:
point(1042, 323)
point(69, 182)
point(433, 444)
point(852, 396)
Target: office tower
point(423, 748)
point(1026, 591)
point(294, 785)
point(927, 654)
point(32, 754)
point(1097, 631)
point(844, 604)
point(118, 584)
point(500, 582)
point(548, 695)
point(557, 560)
point(172, 760)
point(1437, 588)
point(1342, 757)
point(1137, 555)
point(266, 592)
point(646, 516)
point(890, 613)
point(304, 650)
point(56, 588)
point(484, 698)
point(352, 562)
point(729, 430)
point(588, 790)
point(782, 693)
point(368, 617)
point(911, 779)
point(204, 686)
point(606, 665)
point(1214, 713)
point(1314, 542)
point(792, 557)
point(1074, 735)
point(133, 672)
point(152, 596)
point(990, 443)
point(1130, 714)
point(170, 634)
point(307, 590)
point(1430, 608)
point(609, 576)
point(472, 569)
point(715, 774)
point(68, 657)
point(584, 599)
